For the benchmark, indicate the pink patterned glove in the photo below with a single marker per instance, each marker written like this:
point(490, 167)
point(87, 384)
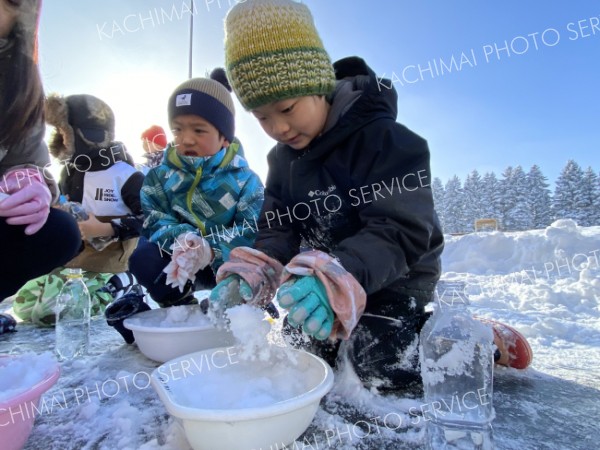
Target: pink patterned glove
point(29, 200)
point(190, 254)
point(260, 272)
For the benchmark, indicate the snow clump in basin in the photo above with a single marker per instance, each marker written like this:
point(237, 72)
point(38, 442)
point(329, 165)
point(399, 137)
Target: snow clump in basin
point(250, 329)
point(173, 317)
point(228, 382)
point(184, 315)
point(252, 374)
point(19, 373)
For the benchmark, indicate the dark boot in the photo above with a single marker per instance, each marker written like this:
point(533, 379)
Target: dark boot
point(121, 309)
point(7, 323)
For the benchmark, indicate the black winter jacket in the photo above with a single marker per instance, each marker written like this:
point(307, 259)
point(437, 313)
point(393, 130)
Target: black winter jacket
point(360, 192)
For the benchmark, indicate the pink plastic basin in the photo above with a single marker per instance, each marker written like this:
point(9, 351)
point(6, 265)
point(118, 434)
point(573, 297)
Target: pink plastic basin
point(17, 414)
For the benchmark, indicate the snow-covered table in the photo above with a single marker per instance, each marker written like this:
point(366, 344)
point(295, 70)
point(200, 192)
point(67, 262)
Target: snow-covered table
point(544, 282)
point(104, 401)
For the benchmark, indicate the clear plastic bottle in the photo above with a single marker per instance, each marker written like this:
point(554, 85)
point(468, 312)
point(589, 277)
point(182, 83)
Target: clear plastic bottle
point(73, 310)
point(77, 211)
point(457, 360)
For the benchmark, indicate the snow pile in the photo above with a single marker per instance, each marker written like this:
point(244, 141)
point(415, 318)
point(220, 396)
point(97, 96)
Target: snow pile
point(186, 316)
point(252, 374)
point(562, 249)
point(20, 373)
point(224, 381)
point(545, 282)
point(250, 329)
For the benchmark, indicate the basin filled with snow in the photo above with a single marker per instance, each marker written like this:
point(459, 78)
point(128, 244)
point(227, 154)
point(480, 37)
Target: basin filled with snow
point(224, 401)
point(166, 333)
point(23, 380)
point(252, 395)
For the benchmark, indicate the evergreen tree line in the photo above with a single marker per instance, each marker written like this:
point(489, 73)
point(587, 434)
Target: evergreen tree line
point(518, 201)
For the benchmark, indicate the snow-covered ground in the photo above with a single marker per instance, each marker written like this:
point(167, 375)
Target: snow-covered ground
point(546, 283)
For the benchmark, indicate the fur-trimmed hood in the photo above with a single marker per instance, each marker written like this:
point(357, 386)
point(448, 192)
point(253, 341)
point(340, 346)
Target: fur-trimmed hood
point(82, 123)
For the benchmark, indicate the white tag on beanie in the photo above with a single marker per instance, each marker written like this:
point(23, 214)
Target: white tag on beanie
point(183, 100)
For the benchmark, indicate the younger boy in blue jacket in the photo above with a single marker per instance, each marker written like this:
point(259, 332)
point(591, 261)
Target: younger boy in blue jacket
point(202, 201)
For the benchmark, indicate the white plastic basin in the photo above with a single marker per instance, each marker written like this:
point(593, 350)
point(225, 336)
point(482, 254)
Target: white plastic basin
point(161, 340)
point(224, 403)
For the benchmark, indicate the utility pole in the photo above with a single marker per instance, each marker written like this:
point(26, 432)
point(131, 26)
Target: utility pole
point(191, 37)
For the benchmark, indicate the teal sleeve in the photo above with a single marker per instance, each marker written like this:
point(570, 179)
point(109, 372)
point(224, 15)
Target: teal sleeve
point(160, 225)
point(242, 232)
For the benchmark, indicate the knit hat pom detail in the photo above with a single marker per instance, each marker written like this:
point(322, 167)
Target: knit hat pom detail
point(218, 74)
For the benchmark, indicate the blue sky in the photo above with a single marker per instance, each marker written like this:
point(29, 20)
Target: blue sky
point(494, 107)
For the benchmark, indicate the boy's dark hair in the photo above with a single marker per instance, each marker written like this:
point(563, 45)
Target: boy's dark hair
point(22, 100)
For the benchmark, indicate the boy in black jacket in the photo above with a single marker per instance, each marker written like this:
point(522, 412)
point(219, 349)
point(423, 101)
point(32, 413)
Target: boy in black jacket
point(347, 182)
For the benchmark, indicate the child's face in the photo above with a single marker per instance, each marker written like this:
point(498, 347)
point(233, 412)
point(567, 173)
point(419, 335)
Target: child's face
point(194, 136)
point(295, 121)
point(9, 10)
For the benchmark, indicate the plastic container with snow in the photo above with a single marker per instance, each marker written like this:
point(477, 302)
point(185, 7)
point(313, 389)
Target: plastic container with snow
point(23, 380)
point(224, 401)
point(167, 333)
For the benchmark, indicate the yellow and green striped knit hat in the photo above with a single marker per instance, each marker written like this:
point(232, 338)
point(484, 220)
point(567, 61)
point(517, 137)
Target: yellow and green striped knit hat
point(273, 52)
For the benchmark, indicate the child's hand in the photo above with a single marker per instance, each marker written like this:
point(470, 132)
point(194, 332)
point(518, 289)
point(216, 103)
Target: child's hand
point(306, 299)
point(28, 204)
point(191, 253)
point(232, 291)
point(257, 277)
point(92, 228)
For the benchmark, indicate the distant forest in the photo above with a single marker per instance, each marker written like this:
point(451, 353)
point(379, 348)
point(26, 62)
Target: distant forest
point(518, 200)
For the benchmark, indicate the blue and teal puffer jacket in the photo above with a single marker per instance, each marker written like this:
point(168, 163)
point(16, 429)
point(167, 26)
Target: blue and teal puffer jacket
point(219, 197)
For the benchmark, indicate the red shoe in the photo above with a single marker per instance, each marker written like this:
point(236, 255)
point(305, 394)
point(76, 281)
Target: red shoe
point(513, 346)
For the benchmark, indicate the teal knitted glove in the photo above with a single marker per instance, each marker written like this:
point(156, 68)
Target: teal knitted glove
point(306, 299)
point(232, 291)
